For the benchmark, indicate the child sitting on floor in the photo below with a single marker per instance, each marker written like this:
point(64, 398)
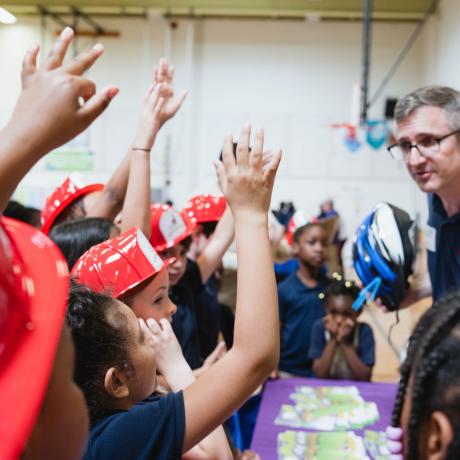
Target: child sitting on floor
point(341, 347)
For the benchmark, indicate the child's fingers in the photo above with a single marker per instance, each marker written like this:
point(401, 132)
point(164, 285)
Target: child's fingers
point(166, 326)
point(272, 167)
point(171, 72)
point(148, 92)
point(59, 49)
point(228, 158)
point(154, 326)
point(242, 149)
point(256, 155)
point(29, 63)
point(97, 104)
point(221, 176)
point(144, 326)
point(84, 60)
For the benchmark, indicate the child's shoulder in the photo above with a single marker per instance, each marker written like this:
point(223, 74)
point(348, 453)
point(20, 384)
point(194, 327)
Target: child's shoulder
point(157, 423)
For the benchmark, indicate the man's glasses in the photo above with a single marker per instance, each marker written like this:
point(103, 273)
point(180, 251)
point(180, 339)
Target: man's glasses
point(428, 146)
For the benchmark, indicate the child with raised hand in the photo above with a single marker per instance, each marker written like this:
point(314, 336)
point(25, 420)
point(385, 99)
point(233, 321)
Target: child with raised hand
point(171, 237)
point(129, 185)
point(174, 424)
point(300, 303)
point(34, 341)
point(427, 406)
point(340, 346)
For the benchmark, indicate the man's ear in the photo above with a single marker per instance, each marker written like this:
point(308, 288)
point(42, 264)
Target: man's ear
point(439, 436)
point(116, 383)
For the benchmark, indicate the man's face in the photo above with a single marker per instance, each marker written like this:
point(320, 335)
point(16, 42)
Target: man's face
point(440, 172)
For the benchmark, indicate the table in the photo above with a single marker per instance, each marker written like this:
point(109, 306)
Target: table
point(277, 392)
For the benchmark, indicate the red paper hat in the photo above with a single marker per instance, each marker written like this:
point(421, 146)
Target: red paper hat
point(205, 208)
point(118, 265)
point(61, 198)
point(34, 285)
point(169, 227)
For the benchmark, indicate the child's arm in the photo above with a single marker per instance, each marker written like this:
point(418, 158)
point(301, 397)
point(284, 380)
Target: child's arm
point(255, 352)
point(209, 260)
point(344, 337)
point(178, 374)
point(48, 112)
point(136, 205)
point(112, 197)
point(322, 365)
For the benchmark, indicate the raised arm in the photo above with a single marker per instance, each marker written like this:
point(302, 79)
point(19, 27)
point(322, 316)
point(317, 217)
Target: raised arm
point(48, 112)
point(210, 259)
point(248, 187)
point(136, 205)
point(110, 202)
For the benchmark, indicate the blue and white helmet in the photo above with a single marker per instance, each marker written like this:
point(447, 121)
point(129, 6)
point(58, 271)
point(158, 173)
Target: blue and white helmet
point(384, 249)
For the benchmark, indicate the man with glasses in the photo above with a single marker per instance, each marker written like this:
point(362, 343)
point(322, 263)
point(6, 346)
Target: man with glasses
point(428, 141)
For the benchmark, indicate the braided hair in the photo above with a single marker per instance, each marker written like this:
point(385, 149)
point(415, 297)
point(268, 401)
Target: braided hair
point(433, 362)
point(101, 340)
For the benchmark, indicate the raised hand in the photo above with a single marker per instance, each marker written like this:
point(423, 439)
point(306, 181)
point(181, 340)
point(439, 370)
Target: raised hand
point(245, 181)
point(56, 102)
point(164, 74)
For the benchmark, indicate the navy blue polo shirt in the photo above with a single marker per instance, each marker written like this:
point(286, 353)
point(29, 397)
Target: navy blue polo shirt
point(299, 307)
point(208, 317)
point(444, 257)
point(154, 428)
point(185, 295)
point(365, 348)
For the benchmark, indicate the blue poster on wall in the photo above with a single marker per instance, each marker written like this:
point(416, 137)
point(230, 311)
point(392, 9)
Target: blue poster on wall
point(377, 133)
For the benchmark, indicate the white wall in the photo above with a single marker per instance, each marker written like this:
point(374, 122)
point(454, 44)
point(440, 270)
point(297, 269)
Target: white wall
point(292, 78)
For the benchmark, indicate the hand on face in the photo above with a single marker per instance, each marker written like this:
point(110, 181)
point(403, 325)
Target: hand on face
point(168, 352)
point(345, 331)
point(330, 325)
point(56, 102)
point(245, 182)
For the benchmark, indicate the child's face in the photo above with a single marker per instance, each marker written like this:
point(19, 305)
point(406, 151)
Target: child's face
point(152, 301)
point(55, 436)
point(177, 269)
point(142, 380)
point(339, 307)
point(311, 247)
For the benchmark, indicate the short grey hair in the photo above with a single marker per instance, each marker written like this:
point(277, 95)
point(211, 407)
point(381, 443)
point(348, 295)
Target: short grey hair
point(436, 96)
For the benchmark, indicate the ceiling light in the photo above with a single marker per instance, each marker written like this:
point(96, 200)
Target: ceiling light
point(6, 17)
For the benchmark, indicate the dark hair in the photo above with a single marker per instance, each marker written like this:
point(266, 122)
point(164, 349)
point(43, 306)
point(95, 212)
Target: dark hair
point(74, 238)
point(433, 361)
point(208, 228)
point(302, 229)
point(101, 341)
point(75, 210)
point(339, 286)
point(15, 210)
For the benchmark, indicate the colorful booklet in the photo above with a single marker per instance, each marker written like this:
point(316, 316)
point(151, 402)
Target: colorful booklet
point(328, 409)
point(300, 445)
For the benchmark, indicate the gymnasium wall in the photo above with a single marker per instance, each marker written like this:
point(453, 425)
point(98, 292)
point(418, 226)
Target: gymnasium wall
point(292, 78)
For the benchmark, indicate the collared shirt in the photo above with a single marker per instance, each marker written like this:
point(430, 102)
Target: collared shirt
point(185, 295)
point(443, 244)
point(154, 428)
point(299, 307)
